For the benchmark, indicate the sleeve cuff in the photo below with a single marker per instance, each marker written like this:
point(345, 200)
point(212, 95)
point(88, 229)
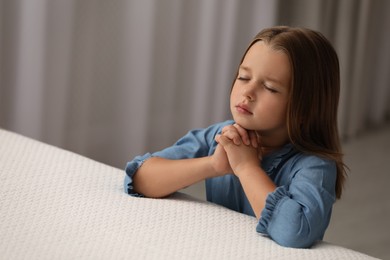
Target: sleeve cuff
point(131, 169)
point(271, 204)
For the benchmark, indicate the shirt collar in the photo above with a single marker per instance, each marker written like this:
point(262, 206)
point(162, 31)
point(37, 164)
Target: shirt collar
point(272, 160)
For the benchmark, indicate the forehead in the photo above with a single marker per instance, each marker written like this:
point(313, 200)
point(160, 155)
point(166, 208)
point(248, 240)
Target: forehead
point(268, 62)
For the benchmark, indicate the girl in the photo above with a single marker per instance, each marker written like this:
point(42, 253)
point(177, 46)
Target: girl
point(280, 158)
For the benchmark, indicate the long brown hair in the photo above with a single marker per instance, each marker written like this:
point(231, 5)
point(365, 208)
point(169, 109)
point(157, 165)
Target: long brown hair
point(314, 93)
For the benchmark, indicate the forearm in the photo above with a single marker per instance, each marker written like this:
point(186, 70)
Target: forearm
point(257, 185)
point(159, 177)
point(244, 161)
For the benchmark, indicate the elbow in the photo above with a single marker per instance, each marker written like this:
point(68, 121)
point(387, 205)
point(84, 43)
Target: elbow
point(291, 232)
point(151, 193)
point(296, 236)
point(139, 189)
point(294, 241)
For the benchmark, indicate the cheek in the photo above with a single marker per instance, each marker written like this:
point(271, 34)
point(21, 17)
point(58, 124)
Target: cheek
point(282, 112)
point(233, 93)
point(280, 108)
point(274, 110)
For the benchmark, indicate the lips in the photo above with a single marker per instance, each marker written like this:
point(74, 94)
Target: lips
point(243, 109)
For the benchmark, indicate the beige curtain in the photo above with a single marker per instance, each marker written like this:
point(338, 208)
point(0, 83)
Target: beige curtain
point(113, 79)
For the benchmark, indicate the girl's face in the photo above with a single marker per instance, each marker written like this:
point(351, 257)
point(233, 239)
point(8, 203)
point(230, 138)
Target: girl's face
point(259, 97)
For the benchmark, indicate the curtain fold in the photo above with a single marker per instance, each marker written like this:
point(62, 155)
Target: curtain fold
point(357, 29)
point(30, 67)
point(113, 79)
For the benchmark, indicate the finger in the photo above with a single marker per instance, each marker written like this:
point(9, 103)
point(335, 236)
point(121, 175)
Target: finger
point(232, 133)
point(223, 140)
point(243, 134)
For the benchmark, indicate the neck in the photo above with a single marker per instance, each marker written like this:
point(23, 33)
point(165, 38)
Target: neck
point(270, 144)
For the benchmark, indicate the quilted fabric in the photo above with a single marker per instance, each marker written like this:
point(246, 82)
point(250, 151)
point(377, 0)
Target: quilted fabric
point(55, 204)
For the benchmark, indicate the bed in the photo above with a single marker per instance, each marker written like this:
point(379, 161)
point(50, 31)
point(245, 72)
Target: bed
point(55, 204)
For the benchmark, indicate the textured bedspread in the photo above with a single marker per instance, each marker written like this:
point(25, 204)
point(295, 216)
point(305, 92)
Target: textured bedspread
point(55, 204)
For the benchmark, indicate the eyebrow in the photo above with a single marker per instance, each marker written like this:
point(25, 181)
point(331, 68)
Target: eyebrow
point(242, 67)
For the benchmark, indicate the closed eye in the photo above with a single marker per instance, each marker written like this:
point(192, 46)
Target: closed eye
point(243, 78)
point(270, 89)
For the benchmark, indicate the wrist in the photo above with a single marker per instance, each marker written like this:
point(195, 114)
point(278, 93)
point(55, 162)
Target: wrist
point(247, 170)
point(215, 167)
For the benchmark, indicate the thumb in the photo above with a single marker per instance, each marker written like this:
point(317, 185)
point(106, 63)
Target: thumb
point(222, 140)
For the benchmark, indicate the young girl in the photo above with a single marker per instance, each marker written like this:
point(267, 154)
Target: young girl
point(279, 159)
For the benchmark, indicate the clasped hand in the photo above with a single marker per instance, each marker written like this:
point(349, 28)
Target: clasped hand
point(237, 150)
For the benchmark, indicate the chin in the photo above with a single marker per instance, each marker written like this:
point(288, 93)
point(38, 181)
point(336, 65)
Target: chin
point(244, 123)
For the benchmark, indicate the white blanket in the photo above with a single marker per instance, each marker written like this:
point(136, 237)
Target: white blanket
point(55, 204)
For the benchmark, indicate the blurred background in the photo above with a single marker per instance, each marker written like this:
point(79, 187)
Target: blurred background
point(114, 79)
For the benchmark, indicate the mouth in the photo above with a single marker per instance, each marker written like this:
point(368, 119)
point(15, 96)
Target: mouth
point(243, 109)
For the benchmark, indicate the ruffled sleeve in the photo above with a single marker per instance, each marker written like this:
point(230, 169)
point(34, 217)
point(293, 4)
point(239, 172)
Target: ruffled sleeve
point(298, 212)
point(131, 169)
point(271, 204)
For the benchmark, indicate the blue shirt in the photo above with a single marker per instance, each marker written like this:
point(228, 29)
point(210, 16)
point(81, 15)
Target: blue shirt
point(296, 214)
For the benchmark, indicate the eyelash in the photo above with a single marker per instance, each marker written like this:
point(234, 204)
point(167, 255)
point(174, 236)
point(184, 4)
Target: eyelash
point(242, 78)
point(270, 89)
point(264, 85)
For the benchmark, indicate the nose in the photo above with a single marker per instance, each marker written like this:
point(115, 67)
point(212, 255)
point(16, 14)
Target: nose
point(249, 92)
